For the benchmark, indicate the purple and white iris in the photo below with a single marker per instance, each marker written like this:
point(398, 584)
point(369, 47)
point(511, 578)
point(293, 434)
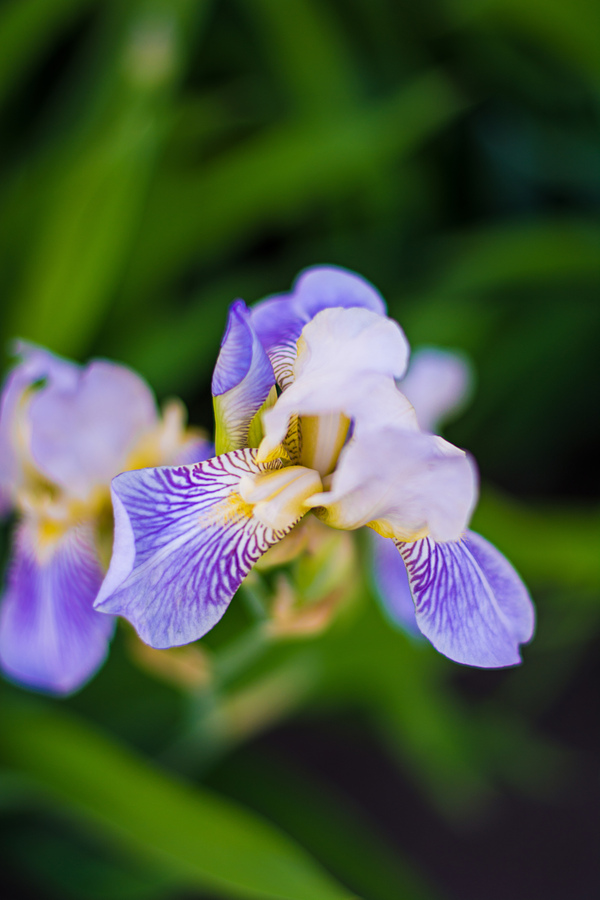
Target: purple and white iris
point(65, 431)
point(310, 420)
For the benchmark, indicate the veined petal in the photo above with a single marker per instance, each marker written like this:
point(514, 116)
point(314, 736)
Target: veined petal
point(184, 541)
point(242, 380)
point(438, 383)
point(278, 320)
point(82, 432)
point(391, 583)
point(469, 601)
point(51, 638)
point(404, 484)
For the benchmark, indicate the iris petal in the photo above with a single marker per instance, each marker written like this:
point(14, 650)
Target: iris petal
point(438, 384)
point(405, 484)
point(83, 431)
point(36, 363)
point(470, 602)
point(50, 636)
point(346, 364)
point(242, 380)
point(184, 541)
point(391, 583)
point(280, 319)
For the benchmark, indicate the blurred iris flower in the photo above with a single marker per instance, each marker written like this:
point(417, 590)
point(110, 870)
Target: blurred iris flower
point(65, 431)
point(310, 419)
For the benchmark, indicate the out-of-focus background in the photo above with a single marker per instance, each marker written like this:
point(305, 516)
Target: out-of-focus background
point(160, 158)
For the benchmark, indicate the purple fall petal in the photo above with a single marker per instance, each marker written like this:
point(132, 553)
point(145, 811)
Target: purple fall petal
point(184, 541)
point(82, 432)
point(278, 320)
point(51, 638)
point(470, 602)
point(391, 583)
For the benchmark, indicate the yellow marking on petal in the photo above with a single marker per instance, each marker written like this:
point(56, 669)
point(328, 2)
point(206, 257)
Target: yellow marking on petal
point(382, 527)
point(322, 440)
point(255, 431)
point(160, 445)
point(232, 509)
point(279, 496)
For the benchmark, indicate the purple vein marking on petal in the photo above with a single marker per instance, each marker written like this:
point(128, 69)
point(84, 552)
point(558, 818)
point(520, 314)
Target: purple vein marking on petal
point(51, 639)
point(182, 548)
point(391, 583)
point(470, 602)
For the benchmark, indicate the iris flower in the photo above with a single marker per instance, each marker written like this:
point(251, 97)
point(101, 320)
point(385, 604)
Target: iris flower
point(310, 421)
point(65, 431)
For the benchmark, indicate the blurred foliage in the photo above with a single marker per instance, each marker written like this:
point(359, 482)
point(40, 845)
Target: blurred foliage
point(160, 158)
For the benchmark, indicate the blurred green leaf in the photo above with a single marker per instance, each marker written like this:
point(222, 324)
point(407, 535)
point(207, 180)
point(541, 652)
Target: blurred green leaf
point(27, 27)
point(572, 30)
point(309, 53)
point(279, 175)
point(92, 199)
point(210, 842)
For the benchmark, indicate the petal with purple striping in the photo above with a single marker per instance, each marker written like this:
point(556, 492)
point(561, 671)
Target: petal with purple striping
point(391, 583)
point(184, 541)
point(51, 638)
point(469, 601)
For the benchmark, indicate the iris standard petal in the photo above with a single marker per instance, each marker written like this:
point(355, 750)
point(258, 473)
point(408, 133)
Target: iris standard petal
point(390, 579)
point(438, 383)
point(346, 365)
point(280, 319)
point(242, 380)
point(184, 541)
point(404, 484)
point(470, 602)
point(83, 432)
point(51, 638)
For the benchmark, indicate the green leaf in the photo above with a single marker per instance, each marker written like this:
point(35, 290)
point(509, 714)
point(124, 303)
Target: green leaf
point(210, 842)
point(26, 29)
point(278, 174)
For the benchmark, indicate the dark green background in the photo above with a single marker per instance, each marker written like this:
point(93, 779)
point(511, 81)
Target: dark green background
point(160, 158)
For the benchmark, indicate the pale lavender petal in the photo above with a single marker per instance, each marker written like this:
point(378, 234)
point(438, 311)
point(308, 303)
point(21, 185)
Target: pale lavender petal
point(36, 363)
point(391, 583)
point(405, 484)
point(51, 638)
point(184, 541)
point(470, 602)
point(83, 432)
point(438, 384)
point(196, 449)
point(279, 319)
point(241, 381)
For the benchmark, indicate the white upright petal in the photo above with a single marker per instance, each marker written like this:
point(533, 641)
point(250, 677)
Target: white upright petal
point(403, 483)
point(346, 364)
